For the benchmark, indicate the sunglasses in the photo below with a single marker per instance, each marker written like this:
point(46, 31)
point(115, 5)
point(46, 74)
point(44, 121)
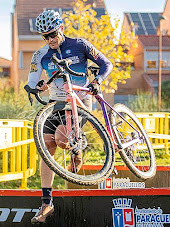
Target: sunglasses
point(52, 35)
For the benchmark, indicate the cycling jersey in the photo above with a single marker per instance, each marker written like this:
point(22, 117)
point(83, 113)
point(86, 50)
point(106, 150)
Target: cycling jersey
point(76, 49)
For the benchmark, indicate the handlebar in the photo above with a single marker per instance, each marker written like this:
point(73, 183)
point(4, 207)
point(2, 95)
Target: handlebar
point(62, 66)
point(65, 64)
point(36, 93)
point(40, 100)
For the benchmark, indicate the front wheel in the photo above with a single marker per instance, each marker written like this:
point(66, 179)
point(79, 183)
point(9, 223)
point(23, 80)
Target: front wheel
point(140, 156)
point(94, 142)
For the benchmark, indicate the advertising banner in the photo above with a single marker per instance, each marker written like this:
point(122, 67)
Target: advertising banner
point(92, 208)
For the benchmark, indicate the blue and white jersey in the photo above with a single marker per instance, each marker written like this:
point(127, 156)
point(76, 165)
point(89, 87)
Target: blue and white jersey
point(79, 51)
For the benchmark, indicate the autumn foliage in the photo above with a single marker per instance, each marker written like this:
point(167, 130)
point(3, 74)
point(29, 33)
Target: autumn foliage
point(103, 35)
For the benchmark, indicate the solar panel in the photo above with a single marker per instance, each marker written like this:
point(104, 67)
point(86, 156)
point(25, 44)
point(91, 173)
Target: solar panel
point(155, 17)
point(145, 16)
point(135, 17)
point(145, 23)
point(140, 32)
point(151, 31)
point(138, 26)
point(148, 23)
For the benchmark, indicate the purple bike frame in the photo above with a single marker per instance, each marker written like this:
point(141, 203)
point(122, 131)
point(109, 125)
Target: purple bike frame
point(72, 96)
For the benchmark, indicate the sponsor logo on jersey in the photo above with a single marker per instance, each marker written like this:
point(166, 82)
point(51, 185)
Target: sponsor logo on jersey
point(33, 67)
point(75, 59)
point(51, 65)
point(94, 52)
point(68, 51)
point(35, 57)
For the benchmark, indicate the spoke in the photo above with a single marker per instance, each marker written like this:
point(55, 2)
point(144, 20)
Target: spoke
point(91, 141)
point(142, 157)
point(61, 120)
point(45, 126)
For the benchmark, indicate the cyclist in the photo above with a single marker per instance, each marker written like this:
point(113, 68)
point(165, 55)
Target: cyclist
point(50, 25)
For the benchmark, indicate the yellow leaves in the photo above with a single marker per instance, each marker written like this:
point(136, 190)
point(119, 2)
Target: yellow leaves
point(103, 35)
point(123, 82)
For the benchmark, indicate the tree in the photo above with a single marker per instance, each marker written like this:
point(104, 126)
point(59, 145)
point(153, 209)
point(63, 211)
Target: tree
point(166, 91)
point(82, 22)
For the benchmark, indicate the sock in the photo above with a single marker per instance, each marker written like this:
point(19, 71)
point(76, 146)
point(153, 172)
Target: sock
point(47, 195)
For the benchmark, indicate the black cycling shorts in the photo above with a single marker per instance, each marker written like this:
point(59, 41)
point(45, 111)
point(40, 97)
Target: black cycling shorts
point(58, 118)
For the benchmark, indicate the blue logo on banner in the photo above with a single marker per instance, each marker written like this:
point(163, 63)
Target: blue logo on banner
point(118, 217)
point(123, 214)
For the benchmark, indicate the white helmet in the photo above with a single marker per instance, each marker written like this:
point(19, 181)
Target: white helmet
point(48, 20)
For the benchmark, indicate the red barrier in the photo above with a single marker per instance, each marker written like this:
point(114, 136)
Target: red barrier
point(90, 192)
point(93, 208)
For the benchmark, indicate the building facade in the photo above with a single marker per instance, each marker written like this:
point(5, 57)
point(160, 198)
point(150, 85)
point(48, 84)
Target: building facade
point(25, 39)
point(144, 75)
point(5, 66)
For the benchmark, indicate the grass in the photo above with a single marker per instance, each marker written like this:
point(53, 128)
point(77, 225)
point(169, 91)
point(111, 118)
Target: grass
point(162, 159)
point(34, 182)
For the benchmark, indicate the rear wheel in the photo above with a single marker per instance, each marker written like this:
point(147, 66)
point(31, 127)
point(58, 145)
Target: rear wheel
point(139, 157)
point(95, 144)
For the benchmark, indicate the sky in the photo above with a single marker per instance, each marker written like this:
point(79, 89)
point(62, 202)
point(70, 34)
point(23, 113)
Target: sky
point(115, 8)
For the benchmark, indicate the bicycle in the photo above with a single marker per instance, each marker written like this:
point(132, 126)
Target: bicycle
point(84, 131)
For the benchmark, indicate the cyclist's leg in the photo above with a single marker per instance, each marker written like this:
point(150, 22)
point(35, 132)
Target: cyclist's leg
point(47, 175)
point(54, 135)
point(61, 138)
point(47, 178)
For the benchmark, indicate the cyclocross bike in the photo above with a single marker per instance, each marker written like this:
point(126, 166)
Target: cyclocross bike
point(123, 134)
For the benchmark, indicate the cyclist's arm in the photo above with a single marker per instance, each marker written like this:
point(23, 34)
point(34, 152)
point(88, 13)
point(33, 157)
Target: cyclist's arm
point(97, 57)
point(35, 70)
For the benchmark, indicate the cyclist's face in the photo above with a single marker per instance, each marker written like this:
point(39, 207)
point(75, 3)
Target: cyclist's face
point(54, 41)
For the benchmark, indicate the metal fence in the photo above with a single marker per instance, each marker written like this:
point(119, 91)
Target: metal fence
point(17, 151)
point(157, 125)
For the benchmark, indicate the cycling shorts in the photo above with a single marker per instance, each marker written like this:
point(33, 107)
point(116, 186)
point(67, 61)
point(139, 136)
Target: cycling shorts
point(58, 118)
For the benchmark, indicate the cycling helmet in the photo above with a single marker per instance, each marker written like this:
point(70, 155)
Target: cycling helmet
point(48, 20)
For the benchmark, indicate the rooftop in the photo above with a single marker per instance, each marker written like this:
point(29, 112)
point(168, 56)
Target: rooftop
point(153, 40)
point(144, 23)
point(30, 9)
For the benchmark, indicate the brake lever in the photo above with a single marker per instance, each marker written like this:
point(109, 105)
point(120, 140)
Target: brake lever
point(30, 98)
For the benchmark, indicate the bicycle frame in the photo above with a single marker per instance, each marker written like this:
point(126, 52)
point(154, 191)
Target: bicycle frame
point(122, 136)
point(75, 100)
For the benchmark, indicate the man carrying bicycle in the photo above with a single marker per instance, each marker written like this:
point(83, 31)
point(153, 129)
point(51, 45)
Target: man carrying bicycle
point(50, 25)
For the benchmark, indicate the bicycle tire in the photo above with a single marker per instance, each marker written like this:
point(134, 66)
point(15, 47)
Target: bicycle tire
point(146, 157)
point(66, 174)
